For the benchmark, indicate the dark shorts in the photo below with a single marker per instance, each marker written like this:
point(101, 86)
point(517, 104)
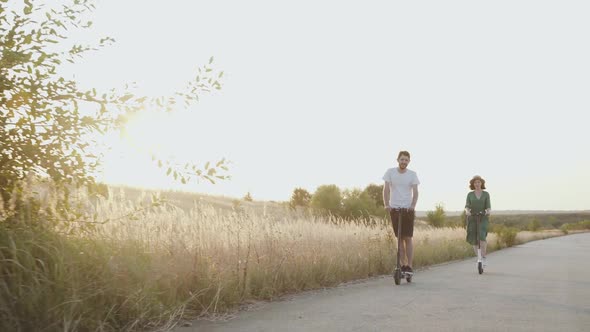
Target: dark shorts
point(407, 221)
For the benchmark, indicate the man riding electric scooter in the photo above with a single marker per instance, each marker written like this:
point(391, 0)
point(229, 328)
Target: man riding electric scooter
point(400, 195)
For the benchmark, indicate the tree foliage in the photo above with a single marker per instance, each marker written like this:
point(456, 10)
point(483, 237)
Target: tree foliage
point(300, 197)
point(358, 204)
point(46, 120)
point(376, 193)
point(327, 198)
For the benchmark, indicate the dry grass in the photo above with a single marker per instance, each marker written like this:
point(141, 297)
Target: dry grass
point(527, 236)
point(149, 270)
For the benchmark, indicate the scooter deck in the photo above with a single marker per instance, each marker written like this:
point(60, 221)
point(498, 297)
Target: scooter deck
point(405, 273)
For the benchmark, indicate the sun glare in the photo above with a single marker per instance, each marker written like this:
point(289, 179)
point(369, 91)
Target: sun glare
point(177, 137)
point(147, 131)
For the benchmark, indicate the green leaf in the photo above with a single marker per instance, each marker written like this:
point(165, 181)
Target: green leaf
point(125, 98)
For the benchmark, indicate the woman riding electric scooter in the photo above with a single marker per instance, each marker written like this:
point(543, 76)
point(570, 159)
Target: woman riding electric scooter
point(477, 209)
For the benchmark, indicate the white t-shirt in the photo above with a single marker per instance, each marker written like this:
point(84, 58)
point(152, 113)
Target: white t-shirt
point(400, 187)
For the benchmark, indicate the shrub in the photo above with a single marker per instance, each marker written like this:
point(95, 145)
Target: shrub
point(437, 217)
point(534, 225)
point(582, 225)
point(327, 198)
point(508, 236)
point(564, 229)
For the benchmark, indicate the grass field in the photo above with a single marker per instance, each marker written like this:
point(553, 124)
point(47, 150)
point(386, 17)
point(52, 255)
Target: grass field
point(148, 269)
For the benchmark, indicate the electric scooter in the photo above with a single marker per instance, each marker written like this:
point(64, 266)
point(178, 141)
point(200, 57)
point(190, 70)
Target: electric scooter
point(398, 274)
point(479, 257)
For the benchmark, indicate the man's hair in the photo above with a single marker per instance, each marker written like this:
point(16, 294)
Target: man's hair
point(403, 153)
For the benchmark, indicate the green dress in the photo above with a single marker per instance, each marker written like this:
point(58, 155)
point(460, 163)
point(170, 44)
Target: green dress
point(477, 205)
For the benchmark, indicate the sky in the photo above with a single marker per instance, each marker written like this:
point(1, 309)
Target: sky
point(328, 92)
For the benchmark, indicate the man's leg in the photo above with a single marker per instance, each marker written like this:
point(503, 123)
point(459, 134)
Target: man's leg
point(484, 247)
point(409, 227)
point(402, 253)
point(409, 250)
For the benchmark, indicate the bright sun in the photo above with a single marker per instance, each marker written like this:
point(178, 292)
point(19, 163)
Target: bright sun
point(148, 131)
point(181, 137)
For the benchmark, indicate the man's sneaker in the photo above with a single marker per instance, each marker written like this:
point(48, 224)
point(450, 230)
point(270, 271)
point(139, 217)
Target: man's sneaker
point(409, 270)
point(404, 268)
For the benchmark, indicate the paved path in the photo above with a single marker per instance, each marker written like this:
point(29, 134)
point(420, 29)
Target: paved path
point(538, 286)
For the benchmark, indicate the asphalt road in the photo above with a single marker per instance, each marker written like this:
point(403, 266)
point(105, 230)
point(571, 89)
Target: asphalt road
point(538, 286)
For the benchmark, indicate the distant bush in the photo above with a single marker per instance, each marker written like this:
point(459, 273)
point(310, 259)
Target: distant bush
point(534, 225)
point(564, 229)
point(582, 225)
point(300, 197)
point(437, 217)
point(237, 205)
point(248, 197)
point(506, 235)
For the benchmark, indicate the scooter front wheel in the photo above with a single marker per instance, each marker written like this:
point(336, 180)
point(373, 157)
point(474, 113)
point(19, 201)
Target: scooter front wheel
point(480, 267)
point(397, 276)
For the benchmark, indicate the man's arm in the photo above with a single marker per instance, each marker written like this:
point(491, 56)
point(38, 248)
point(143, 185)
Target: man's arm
point(386, 195)
point(414, 196)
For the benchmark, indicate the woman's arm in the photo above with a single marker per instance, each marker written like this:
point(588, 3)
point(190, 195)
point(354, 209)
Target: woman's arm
point(468, 206)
